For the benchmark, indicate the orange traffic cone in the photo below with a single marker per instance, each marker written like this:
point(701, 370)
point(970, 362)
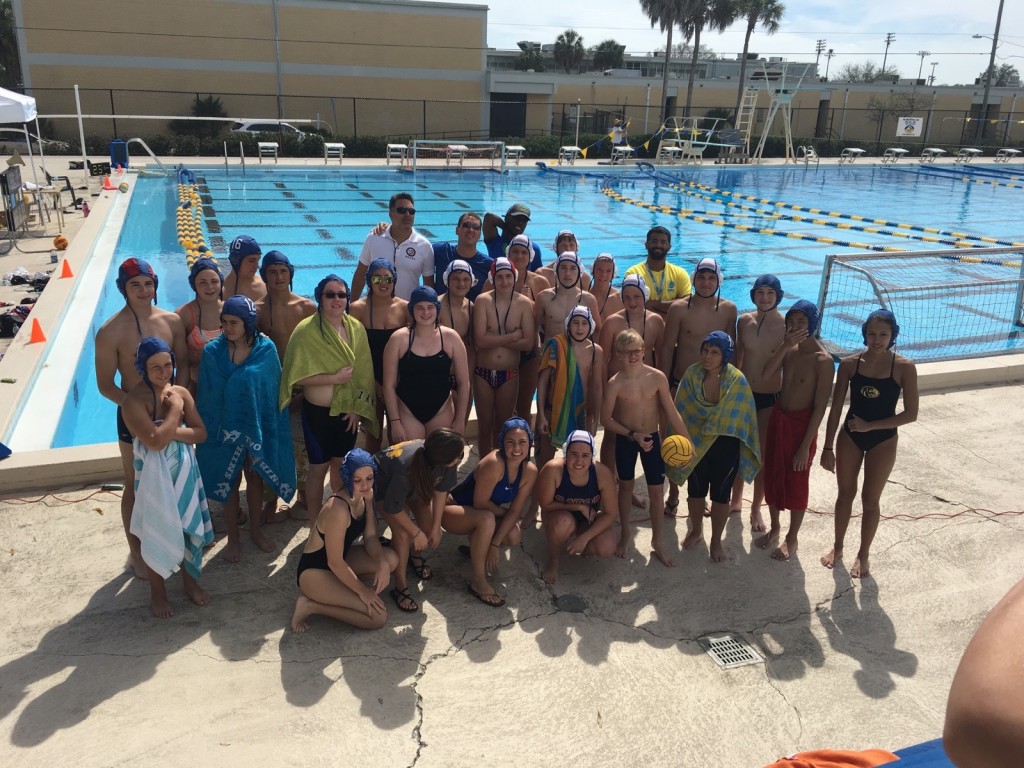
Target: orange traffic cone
point(37, 333)
point(65, 271)
point(107, 186)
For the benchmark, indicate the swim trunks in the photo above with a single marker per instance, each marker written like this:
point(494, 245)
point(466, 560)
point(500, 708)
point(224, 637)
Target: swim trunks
point(496, 378)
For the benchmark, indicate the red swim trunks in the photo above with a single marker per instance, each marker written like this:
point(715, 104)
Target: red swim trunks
point(785, 488)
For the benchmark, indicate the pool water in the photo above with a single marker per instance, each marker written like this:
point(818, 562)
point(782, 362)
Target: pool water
point(319, 218)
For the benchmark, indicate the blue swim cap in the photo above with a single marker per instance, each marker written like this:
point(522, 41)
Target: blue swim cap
point(723, 341)
point(516, 422)
point(810, 310)
point(355, 459)
point(133, 268)
point(768, 281)
point(886, 316)
point(276, 257)
point(424, 294)
point(202, 265)
point(242, 246)
point(149, 346)
point(378, 264)
point(318, 292)
point(242, 307)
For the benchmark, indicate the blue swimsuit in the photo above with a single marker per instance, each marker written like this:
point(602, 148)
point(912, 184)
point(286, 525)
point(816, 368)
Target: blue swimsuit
point(504, 492)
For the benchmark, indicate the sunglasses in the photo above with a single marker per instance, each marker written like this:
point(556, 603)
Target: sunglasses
point(405, 209)
point(382, 280)
point(333, 295)
point(467, 225)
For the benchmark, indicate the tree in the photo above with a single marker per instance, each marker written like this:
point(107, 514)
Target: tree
point(608, 55)
point(1003, 76)
point(764, 12)
point(10, 63)
point(712, 15)
point(569, 50)
point(684, 51)
point(530, 58)
point(666, 14)
point(210, 106)
point(868, 72)
point(894, 105)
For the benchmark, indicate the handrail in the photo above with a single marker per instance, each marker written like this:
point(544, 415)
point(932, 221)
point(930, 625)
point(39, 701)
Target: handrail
point(145, 146)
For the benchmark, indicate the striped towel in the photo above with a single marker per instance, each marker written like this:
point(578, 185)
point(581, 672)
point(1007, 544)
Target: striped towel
point(170, 516)
point(568, 396)
point(734, 415)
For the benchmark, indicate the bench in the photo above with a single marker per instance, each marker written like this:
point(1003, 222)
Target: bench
point(334, 149)
point(850, 154)
point(893, 154)
point(267, 149)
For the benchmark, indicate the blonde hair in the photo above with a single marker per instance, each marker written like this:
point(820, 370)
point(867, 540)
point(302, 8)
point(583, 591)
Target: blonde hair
point(627, 338)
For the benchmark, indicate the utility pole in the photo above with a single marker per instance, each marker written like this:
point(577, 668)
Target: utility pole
point(931, 78)
point(819, 48)
point(989, 73)
point(888, 41)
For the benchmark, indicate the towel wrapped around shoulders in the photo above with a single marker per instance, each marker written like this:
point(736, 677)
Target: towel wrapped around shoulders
point(734, 415)
point(315, 347)
point(239, 406)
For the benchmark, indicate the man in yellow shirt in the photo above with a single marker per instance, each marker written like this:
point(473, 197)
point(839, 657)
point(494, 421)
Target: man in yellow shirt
point(666, 282)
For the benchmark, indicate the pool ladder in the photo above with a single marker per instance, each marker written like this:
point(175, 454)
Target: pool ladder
point(241, 156)
point(149, 151)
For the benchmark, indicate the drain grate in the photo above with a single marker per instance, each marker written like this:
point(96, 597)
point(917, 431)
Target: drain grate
point(730, 651)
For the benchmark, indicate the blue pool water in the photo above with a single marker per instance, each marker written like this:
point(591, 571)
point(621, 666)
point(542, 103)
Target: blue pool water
point(320, 218)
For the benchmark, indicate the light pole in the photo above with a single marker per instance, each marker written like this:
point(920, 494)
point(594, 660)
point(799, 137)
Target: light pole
point(931, 78)
point(828, 61)
point(922, 54)
point(989, 72)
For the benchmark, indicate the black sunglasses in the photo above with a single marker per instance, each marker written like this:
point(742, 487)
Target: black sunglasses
point(406, 209)
point(333, 295)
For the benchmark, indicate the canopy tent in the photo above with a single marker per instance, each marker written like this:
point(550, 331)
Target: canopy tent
point(18, 108)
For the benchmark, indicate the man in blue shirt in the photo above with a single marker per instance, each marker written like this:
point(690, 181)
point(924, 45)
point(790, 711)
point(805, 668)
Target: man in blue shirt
point(498, 232)
point(466, 248)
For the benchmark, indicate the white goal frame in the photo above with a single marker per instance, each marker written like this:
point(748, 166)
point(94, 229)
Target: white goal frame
point(460, 154)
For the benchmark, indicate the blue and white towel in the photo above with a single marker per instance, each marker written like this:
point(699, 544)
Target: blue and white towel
point(170, 516)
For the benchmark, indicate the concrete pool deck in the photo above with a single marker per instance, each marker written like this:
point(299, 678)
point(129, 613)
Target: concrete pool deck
point(604, 668)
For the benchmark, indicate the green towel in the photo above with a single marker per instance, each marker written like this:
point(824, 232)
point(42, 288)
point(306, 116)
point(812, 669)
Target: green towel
point(315, 347)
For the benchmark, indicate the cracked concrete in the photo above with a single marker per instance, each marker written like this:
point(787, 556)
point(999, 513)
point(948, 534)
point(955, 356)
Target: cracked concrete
point(85, 671)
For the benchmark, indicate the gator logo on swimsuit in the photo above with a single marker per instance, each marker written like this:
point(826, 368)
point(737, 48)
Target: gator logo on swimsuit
point(869, 392)
point(410, 252)
point(396, 450)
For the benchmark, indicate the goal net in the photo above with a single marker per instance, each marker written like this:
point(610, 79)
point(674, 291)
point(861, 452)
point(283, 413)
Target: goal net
point(950, 305)
point(455, 154)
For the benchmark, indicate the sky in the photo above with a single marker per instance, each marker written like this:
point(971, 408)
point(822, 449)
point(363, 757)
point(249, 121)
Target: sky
point(855, 31)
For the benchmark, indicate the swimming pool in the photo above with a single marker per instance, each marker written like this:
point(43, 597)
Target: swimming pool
point(319, 218)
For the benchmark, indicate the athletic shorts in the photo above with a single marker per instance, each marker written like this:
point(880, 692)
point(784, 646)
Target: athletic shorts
point(764, 400)
point(327, 437)
point(716, 471)
point(626, 451)
point(123, 434)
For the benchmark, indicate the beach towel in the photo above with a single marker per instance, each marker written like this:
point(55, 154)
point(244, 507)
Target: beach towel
point(170, 515)
point(835, 758)
point(734, 415)
point(238, 405)
point(568, 399)
point(784, 487)
point(315, 348)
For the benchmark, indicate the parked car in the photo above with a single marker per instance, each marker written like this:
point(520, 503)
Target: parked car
point(266, 126)
point(13, 140)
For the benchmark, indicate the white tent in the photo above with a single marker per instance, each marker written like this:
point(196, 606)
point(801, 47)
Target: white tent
point(18, 108)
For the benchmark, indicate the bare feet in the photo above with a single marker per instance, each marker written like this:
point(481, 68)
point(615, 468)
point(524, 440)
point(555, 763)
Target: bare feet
point(233, 551)
point(638, 502)
point(671, 506)
point(197, 594)
point(273, 514)
point(550, 572)
point(859, 569)
point(160, 608)
point(663, 557)
point(756, 521)
point(717, 552)
point(303, 608)
point(262, 541)
point(625, 544)
point(785, 550)
point(763, 542)
point(137, 565)
point(834, 556)
point(693, 538)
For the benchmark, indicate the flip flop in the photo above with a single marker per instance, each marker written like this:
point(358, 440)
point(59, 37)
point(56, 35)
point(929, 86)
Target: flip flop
point(402, 597)
point(488, 600)
point(671, 507)
point(420, 567)
point(283, 513)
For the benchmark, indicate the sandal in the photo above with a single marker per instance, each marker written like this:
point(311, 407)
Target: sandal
point(671, 507)
point(494, 600)
point(420, 567)
point(404, 600)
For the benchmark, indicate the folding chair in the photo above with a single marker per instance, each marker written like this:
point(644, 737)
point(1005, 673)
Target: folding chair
point(65, 185)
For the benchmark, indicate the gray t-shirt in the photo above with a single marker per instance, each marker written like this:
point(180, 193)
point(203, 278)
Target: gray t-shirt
point(394, 486)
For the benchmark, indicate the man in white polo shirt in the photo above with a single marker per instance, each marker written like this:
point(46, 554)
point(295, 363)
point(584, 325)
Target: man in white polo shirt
point(400, 244)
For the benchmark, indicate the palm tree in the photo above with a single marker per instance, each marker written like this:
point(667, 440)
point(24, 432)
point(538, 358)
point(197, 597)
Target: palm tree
point(608, 55)
point(666, 14)
point(569, 50)
point(764, 12)
point(10, 63)
point(712, 15)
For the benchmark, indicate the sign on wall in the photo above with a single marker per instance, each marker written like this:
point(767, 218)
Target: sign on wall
point(909, 127)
